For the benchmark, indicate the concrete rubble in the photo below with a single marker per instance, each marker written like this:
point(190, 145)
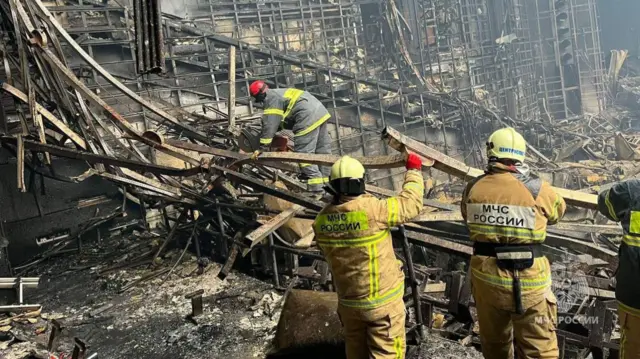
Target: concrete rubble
point(201, 245)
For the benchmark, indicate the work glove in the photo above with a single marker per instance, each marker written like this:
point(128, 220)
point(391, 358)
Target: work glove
point(255, 155)
point(413, 162)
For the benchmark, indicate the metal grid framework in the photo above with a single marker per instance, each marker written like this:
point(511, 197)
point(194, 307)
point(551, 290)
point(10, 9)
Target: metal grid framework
point(197, 78)
point(325, 32)
point(339, 51)
point(455, 45)
point(569, 57)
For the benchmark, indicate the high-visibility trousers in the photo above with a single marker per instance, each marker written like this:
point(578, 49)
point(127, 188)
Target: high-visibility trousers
point(533, 334)
point(317, 141)
point(374, 333)
point(630, 334)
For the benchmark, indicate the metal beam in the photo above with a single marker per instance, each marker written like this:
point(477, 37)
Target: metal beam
point(113, 81)
point(260, 186)
point(125, 125)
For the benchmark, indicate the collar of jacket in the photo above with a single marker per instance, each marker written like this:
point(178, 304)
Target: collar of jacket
point(497, 167)
point(342, 199)
point(520, 171)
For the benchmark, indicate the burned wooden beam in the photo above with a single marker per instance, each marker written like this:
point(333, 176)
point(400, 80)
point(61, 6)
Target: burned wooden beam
point(456, 216)
point(433, 241)
point(107, 160)
point(47, 115)
point(371, 162)
point(458, 230)
point(271, 226)
point(456, 168)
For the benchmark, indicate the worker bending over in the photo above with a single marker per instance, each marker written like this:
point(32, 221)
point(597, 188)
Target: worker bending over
point(507, 213)
point(621, 203)
point(354, 235)
point(296, 110)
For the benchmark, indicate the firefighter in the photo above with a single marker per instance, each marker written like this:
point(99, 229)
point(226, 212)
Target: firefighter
point(621, 203)
point(296, 110)
point(353, 232)
point(507, 212)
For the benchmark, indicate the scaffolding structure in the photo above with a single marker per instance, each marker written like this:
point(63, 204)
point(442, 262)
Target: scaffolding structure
point(476, 49)
point(361, 102)
point(569, 58)
point(349, 55)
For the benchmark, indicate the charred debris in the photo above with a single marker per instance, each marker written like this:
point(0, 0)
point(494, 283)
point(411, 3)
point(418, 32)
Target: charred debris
point(154, 104)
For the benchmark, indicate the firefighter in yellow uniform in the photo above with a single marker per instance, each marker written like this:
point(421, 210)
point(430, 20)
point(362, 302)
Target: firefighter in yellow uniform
point(354, 235)
point(621, 203)
point(507, 212)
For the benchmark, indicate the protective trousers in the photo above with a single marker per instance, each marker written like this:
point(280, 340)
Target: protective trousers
point(374, 333)
point(534, 331)
point(316, 141)
point(630, 336)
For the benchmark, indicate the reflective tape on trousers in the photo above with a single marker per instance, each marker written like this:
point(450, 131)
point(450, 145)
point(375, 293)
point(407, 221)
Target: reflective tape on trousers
point(371, 303)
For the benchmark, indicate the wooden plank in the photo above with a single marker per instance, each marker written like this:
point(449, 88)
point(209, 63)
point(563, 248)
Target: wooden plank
point(599, 283)
point(602, 293)
point(432, 241)
point(439, 287)
point(573, 227)
point(456, 168)
point(551, 240)
point(94, 158)
point(269, 227)
point(438, 217)
point(136, 176)
point(270, 158)
point(41, 136)
point(583, 247)
point(47, 115)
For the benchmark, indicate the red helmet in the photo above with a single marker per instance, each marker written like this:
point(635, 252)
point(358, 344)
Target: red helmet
point(257, 87)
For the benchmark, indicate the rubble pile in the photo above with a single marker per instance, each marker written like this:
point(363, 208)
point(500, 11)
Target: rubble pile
point(201, 200)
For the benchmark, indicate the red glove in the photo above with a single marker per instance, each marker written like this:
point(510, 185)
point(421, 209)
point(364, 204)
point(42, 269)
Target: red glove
point(414, 162)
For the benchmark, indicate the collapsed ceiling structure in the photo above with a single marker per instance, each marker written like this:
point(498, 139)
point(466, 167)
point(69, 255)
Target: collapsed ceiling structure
point(153, 97)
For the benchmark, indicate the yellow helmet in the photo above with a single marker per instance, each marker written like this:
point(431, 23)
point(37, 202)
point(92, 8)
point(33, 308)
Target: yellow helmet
point(347, 177)
point(507, 143)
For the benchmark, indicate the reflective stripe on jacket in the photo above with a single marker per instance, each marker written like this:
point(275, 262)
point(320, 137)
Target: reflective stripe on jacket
point(621, 203)
point(291, 109)
point(506, 207)
point(356, 241)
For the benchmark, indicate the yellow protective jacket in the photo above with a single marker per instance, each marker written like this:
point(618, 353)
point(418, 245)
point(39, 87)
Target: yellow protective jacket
point(506, 207)
point(355, 238)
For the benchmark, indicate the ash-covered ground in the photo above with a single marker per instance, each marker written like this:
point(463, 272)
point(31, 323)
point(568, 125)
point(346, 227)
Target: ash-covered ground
point(151, 320)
